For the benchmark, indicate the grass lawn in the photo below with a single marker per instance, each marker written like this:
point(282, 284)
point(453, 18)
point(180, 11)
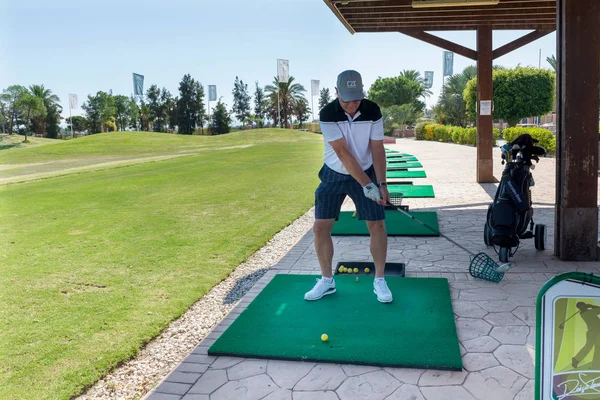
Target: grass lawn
point(96, 264)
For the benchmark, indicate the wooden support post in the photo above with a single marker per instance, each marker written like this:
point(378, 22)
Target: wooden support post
point(485, 140)
point(578, 64)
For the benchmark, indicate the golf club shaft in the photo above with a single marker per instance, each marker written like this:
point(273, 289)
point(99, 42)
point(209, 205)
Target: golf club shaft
point(431, 229)
point(563, 324)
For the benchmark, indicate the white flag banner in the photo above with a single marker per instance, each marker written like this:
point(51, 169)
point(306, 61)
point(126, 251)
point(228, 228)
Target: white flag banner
point(73, 101)
point(315, 87)
point(283, 70)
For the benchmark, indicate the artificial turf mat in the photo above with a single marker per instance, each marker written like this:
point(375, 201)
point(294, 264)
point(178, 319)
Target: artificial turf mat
point(396, 224)
point(401, 160)
point(414, 191)
point(398, 155)
point(403, 165)
point(405, 174)
point(416, 330)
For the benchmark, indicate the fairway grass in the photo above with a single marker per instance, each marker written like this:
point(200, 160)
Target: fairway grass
point(95, 265)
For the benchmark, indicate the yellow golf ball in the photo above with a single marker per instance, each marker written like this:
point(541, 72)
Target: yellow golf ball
point(349, 270)
point(341, 269)
point(324, 337)
point(367, 270)
point(356, 270)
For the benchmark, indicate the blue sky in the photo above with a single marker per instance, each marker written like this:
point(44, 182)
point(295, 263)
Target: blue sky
point(88, 45)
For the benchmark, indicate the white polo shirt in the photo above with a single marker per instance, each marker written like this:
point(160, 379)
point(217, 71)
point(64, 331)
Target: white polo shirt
point(335, 124)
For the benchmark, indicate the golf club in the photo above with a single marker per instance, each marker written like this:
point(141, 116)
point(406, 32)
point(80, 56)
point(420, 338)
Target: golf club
point(500, 269)
point(561, 326)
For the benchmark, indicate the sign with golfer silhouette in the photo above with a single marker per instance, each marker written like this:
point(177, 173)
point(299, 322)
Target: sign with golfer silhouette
point(568, 338)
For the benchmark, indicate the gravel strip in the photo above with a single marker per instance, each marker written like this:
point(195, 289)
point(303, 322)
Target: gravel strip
point(154, 362)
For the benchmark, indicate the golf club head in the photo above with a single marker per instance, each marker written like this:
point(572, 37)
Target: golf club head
point(503, 268)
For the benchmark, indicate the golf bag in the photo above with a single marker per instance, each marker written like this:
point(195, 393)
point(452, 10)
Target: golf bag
point(510, 216)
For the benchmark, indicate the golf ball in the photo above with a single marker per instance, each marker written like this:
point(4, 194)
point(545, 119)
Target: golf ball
point(341, 269)
point(324, 337)
point(356, 270)
point(367, 270)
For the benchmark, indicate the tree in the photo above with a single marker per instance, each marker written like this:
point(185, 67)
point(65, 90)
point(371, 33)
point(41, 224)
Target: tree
point(220, 119)
point(144, 116)
point(301, 110)
point(53, 110)
point(157, 107)
point(3, 114)
point(187, 105)
point(80, 124)
point(260, 105)
point(172, 113)
point(241, 100)
point(200, 107)
point(398, 116)
point(11, 97)
point(415, 76)
point(289, 92)
point(124, 112)
point(32, 108)
point(451, 107)
point(397, 91)
point(100, 110)
point(518, 93)
point(552, 61)
point(324, 98)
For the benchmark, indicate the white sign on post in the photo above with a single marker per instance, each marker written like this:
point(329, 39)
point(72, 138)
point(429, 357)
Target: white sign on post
point(485, 107)
point(283, 70)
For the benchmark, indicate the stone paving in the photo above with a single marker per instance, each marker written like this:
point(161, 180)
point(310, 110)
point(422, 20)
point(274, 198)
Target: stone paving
point(495, 321)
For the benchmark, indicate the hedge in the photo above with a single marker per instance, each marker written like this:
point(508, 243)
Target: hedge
point(546, 139)
point(450, 134)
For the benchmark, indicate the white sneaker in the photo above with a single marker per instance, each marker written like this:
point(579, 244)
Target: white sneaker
point(382, 291)
point(322, 288)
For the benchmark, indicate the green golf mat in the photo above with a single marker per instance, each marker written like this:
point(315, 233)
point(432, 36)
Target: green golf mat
point(412, 190)
point(396, 224)
point(401, 160)
point(405, 174)
point(416, 330)
point(397, 166)
point(392, 155)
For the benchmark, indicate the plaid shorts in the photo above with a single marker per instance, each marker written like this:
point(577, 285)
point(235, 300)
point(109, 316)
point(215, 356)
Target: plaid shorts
point(334, 188)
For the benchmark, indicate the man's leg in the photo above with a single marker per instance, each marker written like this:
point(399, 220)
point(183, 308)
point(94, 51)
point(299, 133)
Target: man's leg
point(379, 245)
point(324, 245)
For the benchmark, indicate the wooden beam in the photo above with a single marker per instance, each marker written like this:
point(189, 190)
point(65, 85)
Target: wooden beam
point(576, 234)
point(519, 14)
point(443, 23)
point(338, 14)
point(520, 42)
point(432, 28)
point(485, 93)
point(443, 43)
point(548, 6)
point(407, 4)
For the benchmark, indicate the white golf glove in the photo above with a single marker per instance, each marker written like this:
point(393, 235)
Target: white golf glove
point(371, 191)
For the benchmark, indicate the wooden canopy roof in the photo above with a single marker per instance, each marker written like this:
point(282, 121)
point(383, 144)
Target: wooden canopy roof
point(399, 15)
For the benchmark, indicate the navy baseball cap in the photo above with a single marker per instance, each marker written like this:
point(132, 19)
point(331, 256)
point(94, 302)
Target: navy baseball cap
point(350, 86)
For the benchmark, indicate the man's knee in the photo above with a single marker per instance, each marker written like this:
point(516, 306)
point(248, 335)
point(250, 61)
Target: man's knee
point(323, 226)
point(376, 226)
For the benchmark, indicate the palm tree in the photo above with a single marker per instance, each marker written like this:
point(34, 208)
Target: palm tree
point(552, 61)
point(451, 103)
point(289, 93)
point(50, 101)
point(414, 75)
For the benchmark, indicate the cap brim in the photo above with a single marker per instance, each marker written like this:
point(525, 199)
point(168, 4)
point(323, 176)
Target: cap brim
point(351, 95)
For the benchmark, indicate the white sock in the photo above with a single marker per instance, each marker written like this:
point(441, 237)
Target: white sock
point(379, 279)
point(328, 280)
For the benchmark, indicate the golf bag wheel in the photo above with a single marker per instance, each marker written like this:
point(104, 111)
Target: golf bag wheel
point(540, 237)
point(487, 235)
point(504, 254)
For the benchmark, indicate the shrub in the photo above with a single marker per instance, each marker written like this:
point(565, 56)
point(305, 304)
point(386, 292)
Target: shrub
point(439, 132)
point(546, 139)
point(430, 131)
point(470, 136)
point(420, 131)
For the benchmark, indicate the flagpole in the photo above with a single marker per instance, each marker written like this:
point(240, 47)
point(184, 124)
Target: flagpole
point(71, 118)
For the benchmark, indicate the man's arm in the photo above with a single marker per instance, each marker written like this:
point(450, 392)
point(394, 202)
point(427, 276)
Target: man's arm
point(347, 158)
point(379, 160)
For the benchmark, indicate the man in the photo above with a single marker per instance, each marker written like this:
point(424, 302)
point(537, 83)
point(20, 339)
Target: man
point(354, 165)
point(589, 314)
